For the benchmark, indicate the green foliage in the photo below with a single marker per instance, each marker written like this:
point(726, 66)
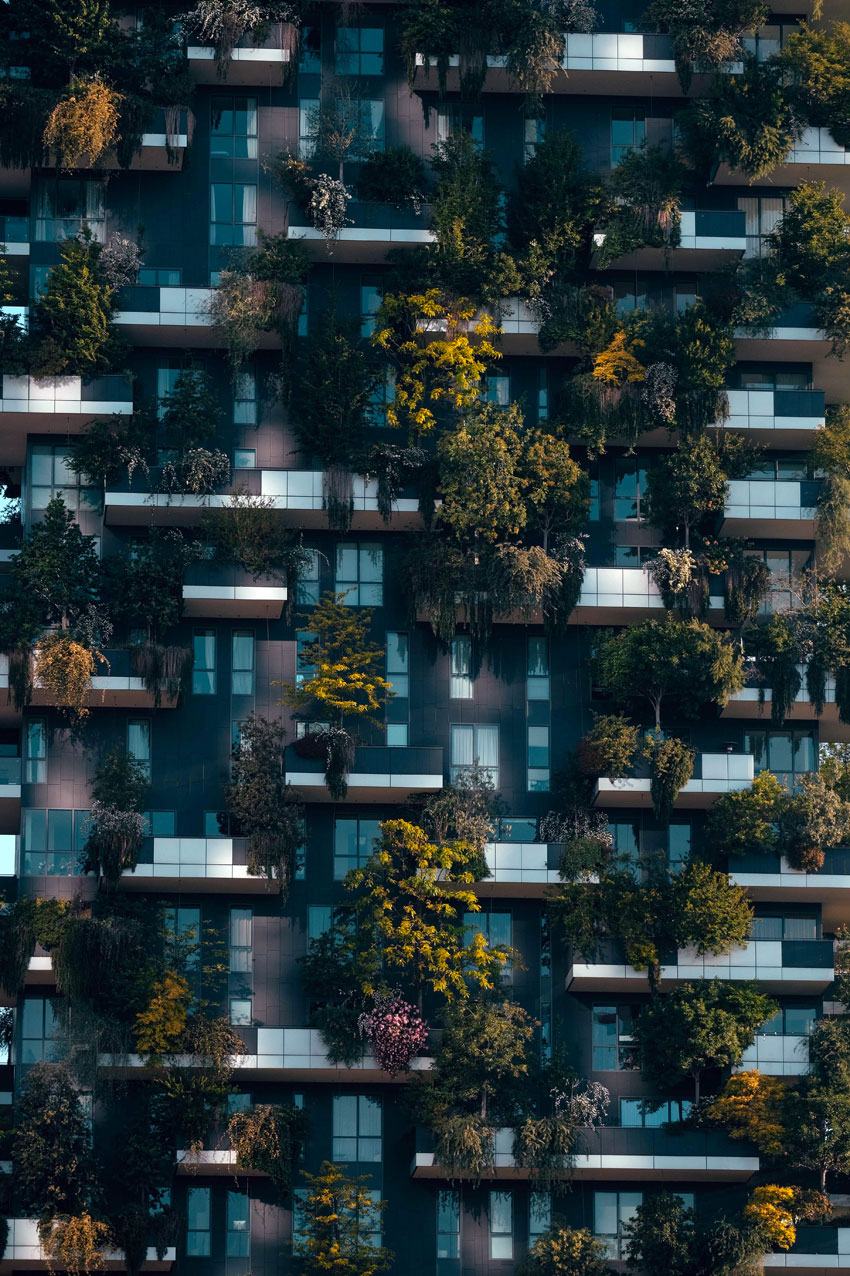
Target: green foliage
point(699, 1024)
point(609, 747)
point(813, 819)
point(831, 454)
point(687, 489)
point(116, 824)
point(261, 290)
point(57, 569)
point(671, 765)
point(743, 822)
point(566, 1251)
point(480, 475)
point(248, 531)
point(72, 317)
point(191, 411)
point(819, 60)
point(109, 446)
point(259, 801)
point(332, 394)
point(269, 1140)
point(339, 1219)
point(145, 585)
point(53, 1164)
point(410, 899)
point(394, 176)
point(338, 965)
point(664, 1236)
point(703, 39)
point(748, 123)
point(466, 217)
point(684, 664)
point(647, 186)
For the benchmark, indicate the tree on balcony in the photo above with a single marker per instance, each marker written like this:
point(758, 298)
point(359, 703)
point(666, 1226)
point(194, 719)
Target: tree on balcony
point(223, 23)
point(698, 1025)
point(342, 682)
point(665, 1236)
point(261, 290)
point(110, 446)
point(704, 39)
point(680, 665)
point(116, 824)
point(747, 122)
point(269, 1139)
point(83, 125)
point(566, 1250)
point(647, 187)
point(394, 176)
point(72, 328)
point(340, 1219)
point(819, 61)
point(260, 804)
point(52, 1155)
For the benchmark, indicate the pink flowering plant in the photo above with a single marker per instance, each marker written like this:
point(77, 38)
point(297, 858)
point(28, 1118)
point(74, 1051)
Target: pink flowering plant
point(395, 1030)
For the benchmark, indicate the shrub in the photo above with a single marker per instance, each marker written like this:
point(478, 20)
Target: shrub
point(199, 471)
point(165, 671)
point(109, 445)
point(64, 668)
point(74, 1244)
point(260, 804)
point(72, 318)
point(269, 1140)
point(671, 765)
point(395, 1030)
point(83, 125)
point(116, 824)
point(566, 1251)
point(703, 39)
point(395, 176)
point(609, 747)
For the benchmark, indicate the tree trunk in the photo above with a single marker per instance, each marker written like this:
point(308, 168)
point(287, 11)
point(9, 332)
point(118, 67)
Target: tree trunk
point(656, 704)
point(696, 1076)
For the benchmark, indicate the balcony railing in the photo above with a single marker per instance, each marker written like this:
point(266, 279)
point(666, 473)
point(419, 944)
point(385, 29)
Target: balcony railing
point(776, 410)
point(379, 773)
point(714, 773)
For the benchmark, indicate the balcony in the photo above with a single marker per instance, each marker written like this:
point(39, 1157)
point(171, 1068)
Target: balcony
point(816, 157)
point(377, 228)
point(609, 63)
point(39, 974)
point(10, 795)
point(777, 418)
point(770, 878)
point(209, 865)
point(379, 774)
point(772, 508)
point(776, 1056)
point(714, 773)
point(261, 64)
point(152, 316)
point(816, 1250)
point(754, 702)
point(297, 494)
point(616, 1152)
point(609, 592)
point(118, 689)
point(709, 239)
point(24, 1252)
point(163, 145)
point(520, 869)
point(14, 236)
point(780, 965)
point(57, 405)
point(279, 1054)
point(795, 335)
point(231, 593)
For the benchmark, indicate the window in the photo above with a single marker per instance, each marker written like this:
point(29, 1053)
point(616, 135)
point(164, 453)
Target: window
point(538, 760)
point(50, 475)
point(398, 676)
point(790, 1021)
point(356, 1128)
point(455, 117)
point(539, 1215)
point(495, 928)
point(497, 390)
point(354, 842)
point(36, 756)
point(183, 928)
point(501, 1225)
point(475, 746)
point(371, 297)
point(360, 51)
point(460, 681)
point(628, 130)
point(513, 828)
point(240, 1012)
point(613, 1039)
point(318, 922)
point(233, 127)
point(611, 1212)
point(67, 204)
point(139, 742)
point(307, 588)
point(381, 396)
point(167, 375)
point(238, 1224)
point(203, 672)
point(629, 488)
point(52, 840)
point(245, 397)
point(198, 1222)
point(309, 110)
point(242, 663)
point(233, 214)
point(533, 135)
point(786, 753)
point(784, 928)
point(648, 1114)
point(448, 1224)
point(303, 670)
point(160, 276)
point(360, 574)
point(159, 823)
point(310, 61)
point(593, 513)
point(678, 846)
point(766, 376)
point(762, 214)
point(38, 1030)
point(241, 940)
point(542, 395)
point(537, 669)
point(365, 117)
point(244, 458)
